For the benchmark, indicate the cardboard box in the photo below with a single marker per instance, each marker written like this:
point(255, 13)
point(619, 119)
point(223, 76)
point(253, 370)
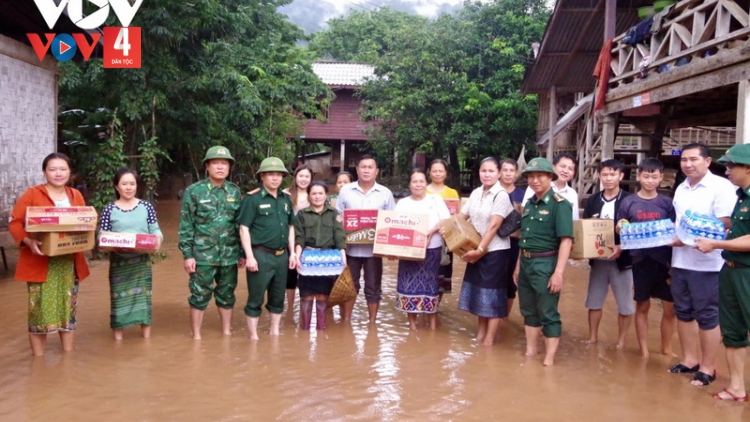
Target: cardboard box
point(593, 238)
point(402, 235)
point(63, 243)
point(60, 219)
point(454, 205)
point(128, 242)
point(460, 235)
point(359, 226)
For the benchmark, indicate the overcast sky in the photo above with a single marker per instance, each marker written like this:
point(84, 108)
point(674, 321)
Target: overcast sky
point(311, 15)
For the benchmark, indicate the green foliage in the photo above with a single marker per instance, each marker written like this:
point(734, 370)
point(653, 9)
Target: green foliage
point(213, 73)
point(448, 87)
point(108, 159)
point(150, 152)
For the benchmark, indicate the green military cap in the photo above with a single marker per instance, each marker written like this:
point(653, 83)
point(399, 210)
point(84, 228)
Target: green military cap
point(272, 164)
point(540, 164)
point(218, 152)
point(738, 154)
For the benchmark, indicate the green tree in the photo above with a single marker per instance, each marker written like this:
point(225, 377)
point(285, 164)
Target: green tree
point(213, 72)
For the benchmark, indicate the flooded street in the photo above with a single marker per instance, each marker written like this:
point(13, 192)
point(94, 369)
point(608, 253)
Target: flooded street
point(348, 372)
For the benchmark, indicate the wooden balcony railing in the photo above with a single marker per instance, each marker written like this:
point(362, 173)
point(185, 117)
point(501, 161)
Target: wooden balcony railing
point(695, 30)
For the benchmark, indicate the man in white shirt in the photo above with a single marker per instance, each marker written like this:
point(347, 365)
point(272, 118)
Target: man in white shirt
point(565, 167)
point(365, 194)
point(695, 276)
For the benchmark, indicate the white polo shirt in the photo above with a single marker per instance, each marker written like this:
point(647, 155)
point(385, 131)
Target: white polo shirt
point(352, 196)
point(713, 195)
point(567, 192)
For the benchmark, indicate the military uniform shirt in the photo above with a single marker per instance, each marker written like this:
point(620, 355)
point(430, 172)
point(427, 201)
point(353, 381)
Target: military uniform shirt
point(209, 231)
point(740, 226)
point(324, 230)
point(268, 218)
point(545, 221)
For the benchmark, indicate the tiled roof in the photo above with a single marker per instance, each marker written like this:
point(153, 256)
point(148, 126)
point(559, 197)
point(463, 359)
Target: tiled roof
point(343, 74)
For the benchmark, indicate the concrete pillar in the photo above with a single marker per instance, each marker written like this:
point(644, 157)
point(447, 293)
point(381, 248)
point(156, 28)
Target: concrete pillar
point(743, 112)
point(552, 122)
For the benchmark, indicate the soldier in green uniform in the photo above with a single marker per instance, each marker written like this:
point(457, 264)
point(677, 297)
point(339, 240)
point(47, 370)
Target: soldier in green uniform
point(546, 238)
point(209, 240)
point(267, 214)
point(734, 277)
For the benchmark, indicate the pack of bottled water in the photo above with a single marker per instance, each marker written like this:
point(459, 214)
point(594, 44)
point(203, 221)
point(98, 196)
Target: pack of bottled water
point(321, 262)
point(693, 225)
point(648, 234)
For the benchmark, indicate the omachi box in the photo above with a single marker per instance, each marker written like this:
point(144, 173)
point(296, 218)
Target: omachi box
point(60, 219)
point(359, 226)
point(454, 205)
point(63, 243)
point(460, 236)
point(593, 238)
point(402, 235)
point(128, 242)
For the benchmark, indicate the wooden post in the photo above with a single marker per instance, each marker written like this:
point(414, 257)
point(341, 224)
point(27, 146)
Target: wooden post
point(743, 112)
point(552, 122)
point(610, 19)
point(344, 167)
point(609, 133)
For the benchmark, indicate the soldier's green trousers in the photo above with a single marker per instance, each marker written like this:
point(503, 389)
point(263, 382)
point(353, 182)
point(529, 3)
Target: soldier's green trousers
point(271, 277)
point(202, 286)
point(538, 305)
point(734, 306)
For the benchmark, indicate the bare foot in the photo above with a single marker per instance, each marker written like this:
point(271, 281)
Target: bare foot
point(549, 360)
point(227, 333)
point(117, 333)
point(668, 352)
point(274, 332)
point(413, 327)
point(254, 337)
point(593, 340)
point(621, 344)
point(644, 353)
point(146, 331)
point(531, 352)
point(488, 342)
point(197, 336)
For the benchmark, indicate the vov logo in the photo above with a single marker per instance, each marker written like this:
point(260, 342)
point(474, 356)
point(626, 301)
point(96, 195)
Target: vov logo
point(122, 45)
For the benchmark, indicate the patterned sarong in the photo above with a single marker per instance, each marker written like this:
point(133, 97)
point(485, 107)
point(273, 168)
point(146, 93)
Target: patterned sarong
point(130, 290)
point(418, 284)
point(52, 304)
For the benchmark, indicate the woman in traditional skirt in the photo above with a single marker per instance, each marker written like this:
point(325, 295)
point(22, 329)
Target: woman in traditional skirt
point(438, 172)
point(52, 281)
point(303, 176)
point(129, 273)
point(317, 227)
point(417, 285)
point(484, 289)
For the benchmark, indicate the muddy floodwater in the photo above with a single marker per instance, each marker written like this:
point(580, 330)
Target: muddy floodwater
point(348, 372)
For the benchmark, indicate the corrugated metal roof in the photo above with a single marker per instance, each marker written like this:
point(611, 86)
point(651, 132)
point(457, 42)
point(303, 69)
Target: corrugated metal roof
point(572, 42)
point(343, 74)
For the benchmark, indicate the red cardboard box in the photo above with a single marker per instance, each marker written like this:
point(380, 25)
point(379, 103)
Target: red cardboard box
point(359, 226)
point(454, 205)
point(401, 235)
point(128, 242)
point(60, 219)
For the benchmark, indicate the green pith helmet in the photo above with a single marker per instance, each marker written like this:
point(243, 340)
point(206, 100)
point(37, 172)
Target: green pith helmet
point(218, 152)
point(272, 164)
point(738, 154)
point(540, 164)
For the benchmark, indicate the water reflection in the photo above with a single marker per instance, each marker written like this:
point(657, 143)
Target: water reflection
point(347, 372)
